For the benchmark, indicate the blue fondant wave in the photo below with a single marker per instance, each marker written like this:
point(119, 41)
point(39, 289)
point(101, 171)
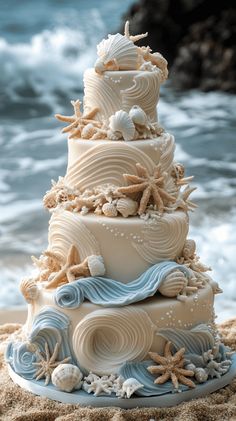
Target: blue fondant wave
point(49, 326)
point(110, 293)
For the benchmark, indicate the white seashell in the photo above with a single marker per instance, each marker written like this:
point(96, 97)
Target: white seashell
point(29, 289)
point(121, 122)
point(67, 377)
point(173, 284)
point(215, 287)
point(190, 366)
point(127, 206)
point(189, 249)
point(96, 265)
point(200, 375)
point(109, 209)
point(138, 116)
point(130, 386)
point(116, 52)
point(88, 131)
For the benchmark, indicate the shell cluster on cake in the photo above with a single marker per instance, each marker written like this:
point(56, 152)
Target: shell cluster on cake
point(121, 305)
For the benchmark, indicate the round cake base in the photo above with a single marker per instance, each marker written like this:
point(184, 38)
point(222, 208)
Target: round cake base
point(82, 398)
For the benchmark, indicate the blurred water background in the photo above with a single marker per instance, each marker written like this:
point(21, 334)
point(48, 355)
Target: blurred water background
point(44, 49)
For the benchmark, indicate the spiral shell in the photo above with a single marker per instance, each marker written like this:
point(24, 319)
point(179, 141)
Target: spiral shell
point(127, 206)
point(67, 377)
point(29, 289)
point(105, 338)
point(109, 209)
point(200, 375)
point(88, 131)
point(173, 284)
point(138, 116)
point(96, 265)
point(121, 123)
point(116, 52)
point(189, 249)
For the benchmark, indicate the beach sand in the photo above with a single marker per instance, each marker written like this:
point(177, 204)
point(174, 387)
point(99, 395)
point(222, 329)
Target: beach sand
point(19, 405)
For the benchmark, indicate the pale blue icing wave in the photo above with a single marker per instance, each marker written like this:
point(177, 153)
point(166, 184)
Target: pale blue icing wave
point(49, 326)
point(138, 370)
point(110, 293)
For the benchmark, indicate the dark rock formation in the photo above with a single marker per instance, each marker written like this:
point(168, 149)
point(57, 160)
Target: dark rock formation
point(197, 37)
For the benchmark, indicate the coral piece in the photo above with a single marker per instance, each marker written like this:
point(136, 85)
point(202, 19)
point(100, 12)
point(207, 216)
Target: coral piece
point(150, 186)
point(122, 126)
point(48, 263)
point(98, 385)
point(70, 270)
point(171, 368)
point(47, 363)
point(67, 377)
point(29, 289)
point(78, 120)
point(127, 206)
point(190, 258)
point(212, 367)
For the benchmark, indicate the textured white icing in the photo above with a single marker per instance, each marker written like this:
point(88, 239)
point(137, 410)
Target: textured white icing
point(105, 338)
point(128, 246)
point(120, 90)
point(91, 163)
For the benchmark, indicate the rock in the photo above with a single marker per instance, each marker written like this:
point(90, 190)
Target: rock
point(197, 37)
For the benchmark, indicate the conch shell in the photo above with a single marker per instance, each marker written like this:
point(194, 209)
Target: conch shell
point(29, 289)
point(67, 377)
point(116, 52)
point(127, 206)
point(173, 284)
point(138, 116)
point(121, 124)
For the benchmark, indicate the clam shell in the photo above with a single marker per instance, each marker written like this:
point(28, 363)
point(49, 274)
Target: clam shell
point(138, 116)
point(173, 284)
point(127, 206)
point(116, 52)
point(29, 289)
point(88, 131)
point(109, 209)
point(121, 122)
point(67, 377)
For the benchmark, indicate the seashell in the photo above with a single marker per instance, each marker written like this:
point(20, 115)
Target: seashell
point(109, 209)
point(200, 375)
point(29, 289)
point(121, 122)
point(62, 196)
point(190, 367)
point(96, 265)
point(116, 52)
point(127, 206)
point(138, 116)
point(189, 249)
point(215, 287)
point(130, 386)
point(49, 199)
point(67, 377)
point(173, 284)
point(88, 131)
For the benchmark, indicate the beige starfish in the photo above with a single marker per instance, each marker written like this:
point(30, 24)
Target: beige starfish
point(47, 363)
point(133, 38)
point(78, 120)
point(183, 201)
point(70, 270)
point(149, 186)
point(170, 367)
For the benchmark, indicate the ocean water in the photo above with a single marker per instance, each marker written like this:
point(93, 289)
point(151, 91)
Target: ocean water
point(44, 50)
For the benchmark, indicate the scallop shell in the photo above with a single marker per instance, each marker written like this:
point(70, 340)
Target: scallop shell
point(173, 284)
point(96, 265)
point(109, 209)
point(138, 116)
point(67, 377)
point(116, 52)
point(88, 131)
point(200, 375)
point(29, 289)
point(189, 249)
point(127, 206)
point(121, 122)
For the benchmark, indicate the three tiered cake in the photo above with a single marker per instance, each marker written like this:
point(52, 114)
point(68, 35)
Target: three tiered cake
point(121, 308)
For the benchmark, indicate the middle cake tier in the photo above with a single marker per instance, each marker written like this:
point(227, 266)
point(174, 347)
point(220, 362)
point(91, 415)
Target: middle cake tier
point(129, 246)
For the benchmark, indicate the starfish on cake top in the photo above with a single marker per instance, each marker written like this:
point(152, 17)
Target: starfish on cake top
point(70, 270)
point(170, 367)
point(150, 186)
point(47, 363)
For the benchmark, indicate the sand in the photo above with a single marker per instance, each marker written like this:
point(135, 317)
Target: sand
point(19, 405)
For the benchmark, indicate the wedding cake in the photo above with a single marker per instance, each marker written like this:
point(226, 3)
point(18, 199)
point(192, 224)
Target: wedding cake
point(120, 308)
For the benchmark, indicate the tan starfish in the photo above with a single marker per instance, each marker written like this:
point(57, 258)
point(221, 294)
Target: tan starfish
point(170, 367)
point(47, 363)
point(70, 270)
point(78, 120)
point(149, 186)
point(183, 201)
